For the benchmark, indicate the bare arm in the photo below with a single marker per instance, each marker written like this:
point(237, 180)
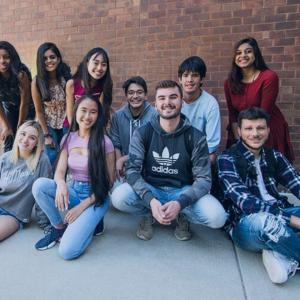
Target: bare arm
point(25, 95)
point(120, 160)
point(70, 99)
point(62, 193)
point(4, 123)
point(39, 110)
point(110, 162)
point(213, 157)
point(38, 105)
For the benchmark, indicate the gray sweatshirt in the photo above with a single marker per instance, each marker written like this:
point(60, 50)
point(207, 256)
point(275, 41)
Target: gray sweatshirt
point(123, 125)
point(16, 181)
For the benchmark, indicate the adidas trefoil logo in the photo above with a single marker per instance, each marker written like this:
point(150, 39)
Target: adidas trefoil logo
point(165, 159)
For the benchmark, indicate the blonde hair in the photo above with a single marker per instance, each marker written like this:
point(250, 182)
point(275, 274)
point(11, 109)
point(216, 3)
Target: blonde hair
point(34, 158)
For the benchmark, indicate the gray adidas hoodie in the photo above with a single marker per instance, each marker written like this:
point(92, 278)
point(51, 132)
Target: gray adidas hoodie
point(123, 125)
point(173, 159)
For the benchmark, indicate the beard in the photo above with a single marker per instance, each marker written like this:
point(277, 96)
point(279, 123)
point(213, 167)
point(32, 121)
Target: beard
point(170, 117)
point(250, 147)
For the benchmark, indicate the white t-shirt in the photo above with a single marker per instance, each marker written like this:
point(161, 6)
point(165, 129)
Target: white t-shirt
point(260, 181)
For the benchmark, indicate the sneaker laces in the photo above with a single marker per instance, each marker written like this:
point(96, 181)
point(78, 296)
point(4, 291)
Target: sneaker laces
point(47, 230)
point(147, 222)
point(293, 267)
point(292, 264)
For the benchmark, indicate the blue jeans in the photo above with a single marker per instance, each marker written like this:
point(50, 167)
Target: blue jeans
point(3, 212)
point(78, 234)
point(57, 135)
point(262, 230)
point(206, 211)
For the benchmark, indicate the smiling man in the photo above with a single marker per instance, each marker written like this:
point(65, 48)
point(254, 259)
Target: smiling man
point(168, 171)
point(135, 113)
point(260, 218)
point(201, 108)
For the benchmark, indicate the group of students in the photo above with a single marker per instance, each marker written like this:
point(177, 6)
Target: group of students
point(154, 162)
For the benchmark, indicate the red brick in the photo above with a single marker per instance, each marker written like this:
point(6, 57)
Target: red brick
point(243, 13)
point(284, 42)
point(151, 38)
point(286, 9)
point(285, 25)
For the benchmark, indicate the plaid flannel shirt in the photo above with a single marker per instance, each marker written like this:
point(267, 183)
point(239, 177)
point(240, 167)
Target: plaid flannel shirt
point(243, 197)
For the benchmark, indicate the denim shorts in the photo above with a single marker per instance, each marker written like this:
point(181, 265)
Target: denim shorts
point(3, 212)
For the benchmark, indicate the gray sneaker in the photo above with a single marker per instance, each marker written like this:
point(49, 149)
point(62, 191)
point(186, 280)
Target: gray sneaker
point(182, 230)
point(145, 230)
point(278, 266)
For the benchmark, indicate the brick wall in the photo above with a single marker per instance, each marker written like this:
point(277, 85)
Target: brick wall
point(151, 37)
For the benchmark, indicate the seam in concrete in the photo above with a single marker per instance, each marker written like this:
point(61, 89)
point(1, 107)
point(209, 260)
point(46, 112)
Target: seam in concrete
point(240, 271)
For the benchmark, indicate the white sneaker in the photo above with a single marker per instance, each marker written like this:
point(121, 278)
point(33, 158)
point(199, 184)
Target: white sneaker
point(278, 266)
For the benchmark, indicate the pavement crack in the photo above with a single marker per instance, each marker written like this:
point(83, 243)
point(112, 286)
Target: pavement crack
point(240, 271)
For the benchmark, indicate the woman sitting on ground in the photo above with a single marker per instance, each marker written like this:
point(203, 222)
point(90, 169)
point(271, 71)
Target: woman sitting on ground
point(19, 168)
point(89, 156)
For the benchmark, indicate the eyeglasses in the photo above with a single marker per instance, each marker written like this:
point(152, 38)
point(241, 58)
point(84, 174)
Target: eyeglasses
point(138, 92)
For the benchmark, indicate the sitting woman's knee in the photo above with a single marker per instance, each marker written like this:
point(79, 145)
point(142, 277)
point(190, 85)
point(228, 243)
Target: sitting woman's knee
point(39, 186)
point(67, 252)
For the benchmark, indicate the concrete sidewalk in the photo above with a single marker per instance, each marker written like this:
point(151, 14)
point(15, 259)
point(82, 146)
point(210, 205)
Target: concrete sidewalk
point(119, 266)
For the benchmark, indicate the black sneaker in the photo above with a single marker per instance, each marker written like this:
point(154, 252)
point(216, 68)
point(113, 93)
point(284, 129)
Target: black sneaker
point(99, 230)
point(145, 231)
point(182, 230)
point(50, 239)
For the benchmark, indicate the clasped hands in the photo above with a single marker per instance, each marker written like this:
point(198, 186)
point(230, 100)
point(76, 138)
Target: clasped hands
point(165, 213)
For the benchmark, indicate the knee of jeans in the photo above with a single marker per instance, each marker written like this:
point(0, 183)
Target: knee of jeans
point(216, 218)
point(212, 212)
point(274, 227)
point(67, 252)
point(119, 197)
point(38, 187)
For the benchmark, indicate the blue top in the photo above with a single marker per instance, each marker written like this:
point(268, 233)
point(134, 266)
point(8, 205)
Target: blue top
point(204, 114)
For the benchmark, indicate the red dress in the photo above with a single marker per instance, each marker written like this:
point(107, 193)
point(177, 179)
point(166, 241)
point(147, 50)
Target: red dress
point(262, 92)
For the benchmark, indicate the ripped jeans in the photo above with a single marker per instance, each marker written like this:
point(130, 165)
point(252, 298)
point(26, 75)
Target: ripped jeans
point(262, 230)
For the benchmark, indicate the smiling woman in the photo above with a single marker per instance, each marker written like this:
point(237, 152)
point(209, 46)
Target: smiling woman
point(85, 198)
point(14, 93)
point(49, 96)
point(91, 78)
point(252, 84)
point(19, 168)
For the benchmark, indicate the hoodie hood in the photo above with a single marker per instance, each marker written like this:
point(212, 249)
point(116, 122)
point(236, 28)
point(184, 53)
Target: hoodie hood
point(145, 109)
point(123, 125)
point(183, 125)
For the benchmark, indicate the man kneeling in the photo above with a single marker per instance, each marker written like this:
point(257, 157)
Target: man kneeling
point(260, 218)
point(168, 171)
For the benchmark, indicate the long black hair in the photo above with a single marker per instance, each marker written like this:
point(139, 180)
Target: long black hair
point(42, 77)
point(235, 75)
point(105, 82)
point(97, 167)
point(10, 87)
